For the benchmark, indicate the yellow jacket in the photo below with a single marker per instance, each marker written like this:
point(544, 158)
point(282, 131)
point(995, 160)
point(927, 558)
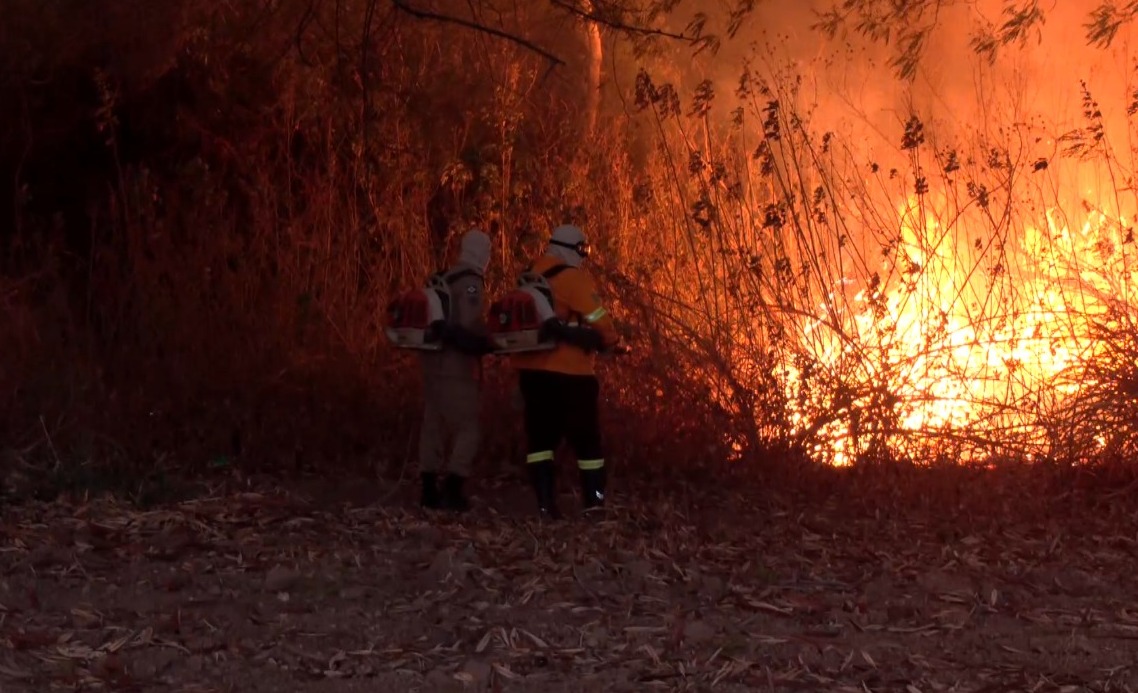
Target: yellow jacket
point(576, 302)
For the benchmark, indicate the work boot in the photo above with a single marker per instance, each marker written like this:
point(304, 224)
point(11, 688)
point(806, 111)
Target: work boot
point(542, 477)
point(430, 497)
point(452, 494)
point(593, 489)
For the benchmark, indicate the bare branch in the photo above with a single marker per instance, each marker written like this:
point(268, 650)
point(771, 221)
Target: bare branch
point(418, 13)
point(612, 23)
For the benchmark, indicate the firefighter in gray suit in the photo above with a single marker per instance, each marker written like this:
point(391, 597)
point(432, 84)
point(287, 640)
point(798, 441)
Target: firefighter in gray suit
point(451, 382)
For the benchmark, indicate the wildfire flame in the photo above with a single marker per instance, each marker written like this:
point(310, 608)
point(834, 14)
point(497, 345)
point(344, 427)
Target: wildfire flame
point(931, 341)
point(973, 304)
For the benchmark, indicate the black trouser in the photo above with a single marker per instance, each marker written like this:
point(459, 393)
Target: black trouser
point(560, 406)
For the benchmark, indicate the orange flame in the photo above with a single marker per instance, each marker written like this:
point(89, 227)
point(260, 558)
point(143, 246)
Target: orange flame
point(956, 348)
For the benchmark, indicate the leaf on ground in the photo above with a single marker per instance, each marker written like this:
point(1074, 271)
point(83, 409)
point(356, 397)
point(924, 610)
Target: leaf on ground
point(647, 600)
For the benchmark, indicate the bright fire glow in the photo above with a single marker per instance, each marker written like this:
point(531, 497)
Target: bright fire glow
point(941, 304)
point(965, 339)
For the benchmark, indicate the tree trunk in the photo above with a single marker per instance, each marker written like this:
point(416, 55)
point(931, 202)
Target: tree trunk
point(593, 83)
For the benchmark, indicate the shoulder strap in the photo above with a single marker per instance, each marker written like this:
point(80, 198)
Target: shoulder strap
point(451, 276)
point(555, 270)
point(461, 274)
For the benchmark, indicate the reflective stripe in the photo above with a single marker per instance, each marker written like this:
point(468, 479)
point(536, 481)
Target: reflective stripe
point(596, 315)
point(539, 456)
point(590, 465)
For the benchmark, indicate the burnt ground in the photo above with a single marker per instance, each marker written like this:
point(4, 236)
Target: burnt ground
point(268, 589)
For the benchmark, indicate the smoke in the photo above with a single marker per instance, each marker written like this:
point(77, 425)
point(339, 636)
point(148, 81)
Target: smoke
point(939, 296)
point(852, 89)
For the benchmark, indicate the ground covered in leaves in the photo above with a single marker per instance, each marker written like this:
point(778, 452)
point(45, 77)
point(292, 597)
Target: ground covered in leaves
point(265, 588)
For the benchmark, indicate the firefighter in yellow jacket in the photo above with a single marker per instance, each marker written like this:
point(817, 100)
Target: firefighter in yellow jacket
point(559, 387)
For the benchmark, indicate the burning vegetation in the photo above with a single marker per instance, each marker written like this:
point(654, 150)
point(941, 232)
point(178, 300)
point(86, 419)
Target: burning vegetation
point(871, 257)
point(213, 205)
point(959, 304)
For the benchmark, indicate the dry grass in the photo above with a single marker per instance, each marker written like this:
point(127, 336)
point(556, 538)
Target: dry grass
point(939, 301)
point(199, 281)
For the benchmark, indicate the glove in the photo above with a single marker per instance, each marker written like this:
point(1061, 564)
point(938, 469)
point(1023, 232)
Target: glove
point(489, 346)
point(585, 338)
point(619, 349)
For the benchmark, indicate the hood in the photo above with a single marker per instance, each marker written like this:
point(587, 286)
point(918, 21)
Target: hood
point(569, 236)
point(475, 250)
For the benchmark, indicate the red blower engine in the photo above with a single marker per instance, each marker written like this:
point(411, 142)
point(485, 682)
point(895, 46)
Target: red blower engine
point(523, 319)
point(418, 319)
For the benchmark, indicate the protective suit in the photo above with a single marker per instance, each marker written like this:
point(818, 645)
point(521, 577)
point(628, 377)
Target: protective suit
point(451, 387)
point(559, 387)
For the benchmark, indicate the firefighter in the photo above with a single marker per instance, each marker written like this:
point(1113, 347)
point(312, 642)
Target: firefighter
point(559, 387)
point(451, 382)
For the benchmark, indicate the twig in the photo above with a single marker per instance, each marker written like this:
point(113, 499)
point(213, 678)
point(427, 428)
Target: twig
point(402, 469)
point(621, 26)
point(426, 14)
point(51, 445)
point(583, 586)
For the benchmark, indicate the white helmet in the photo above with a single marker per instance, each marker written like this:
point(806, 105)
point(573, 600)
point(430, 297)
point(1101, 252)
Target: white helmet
point(569, 243)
